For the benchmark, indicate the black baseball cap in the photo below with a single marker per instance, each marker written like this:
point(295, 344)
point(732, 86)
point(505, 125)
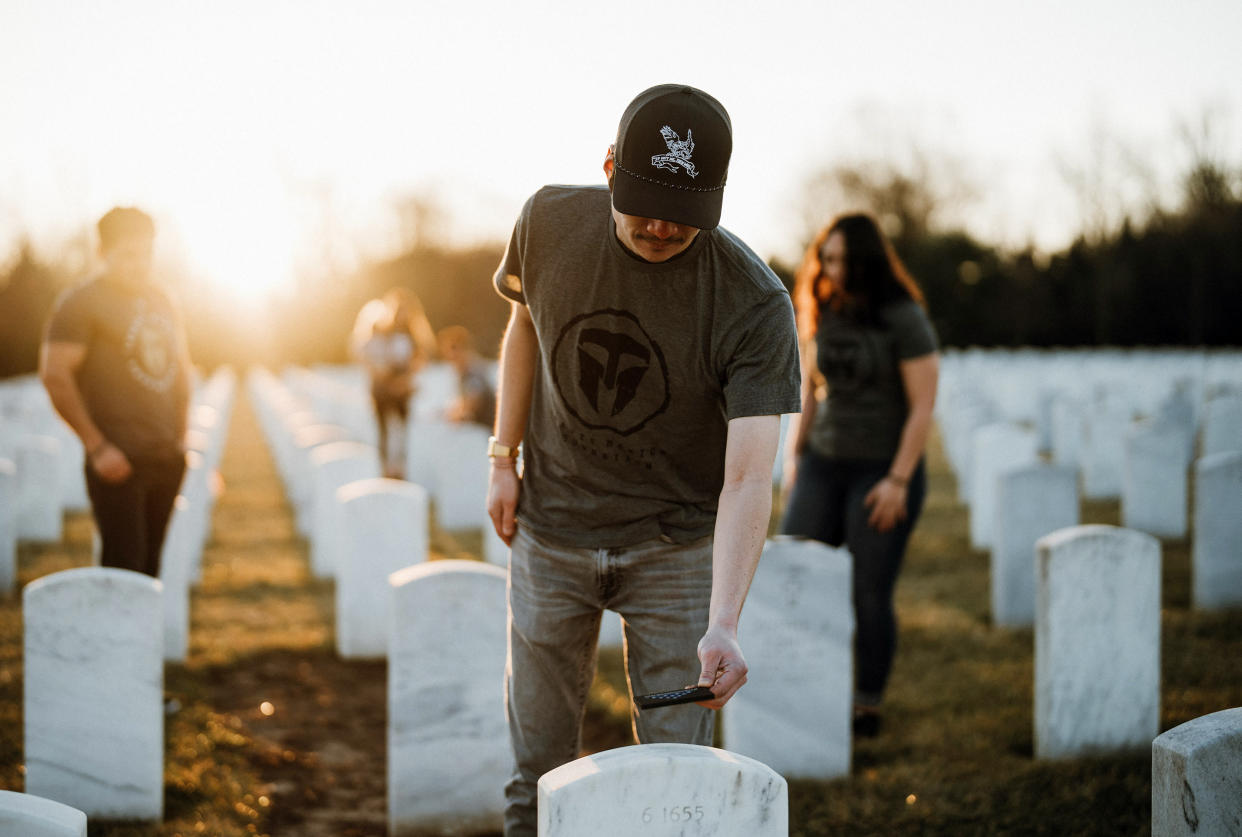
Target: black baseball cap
point(671, 157)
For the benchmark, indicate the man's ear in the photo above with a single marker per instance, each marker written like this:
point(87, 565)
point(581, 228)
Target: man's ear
point(609, 163)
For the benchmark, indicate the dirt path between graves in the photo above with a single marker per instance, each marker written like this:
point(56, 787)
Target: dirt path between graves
point(315, 723)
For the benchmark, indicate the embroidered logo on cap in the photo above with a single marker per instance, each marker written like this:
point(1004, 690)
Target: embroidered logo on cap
point(678, 152)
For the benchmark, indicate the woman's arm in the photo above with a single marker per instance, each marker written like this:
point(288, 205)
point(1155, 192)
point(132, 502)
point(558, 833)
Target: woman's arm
point(887, 499)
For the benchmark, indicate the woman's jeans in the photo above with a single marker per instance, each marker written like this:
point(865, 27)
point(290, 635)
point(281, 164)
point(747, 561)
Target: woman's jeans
point(556, 596)
point(826, 504)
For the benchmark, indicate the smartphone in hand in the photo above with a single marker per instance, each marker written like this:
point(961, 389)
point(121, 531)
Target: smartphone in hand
point(689, 694)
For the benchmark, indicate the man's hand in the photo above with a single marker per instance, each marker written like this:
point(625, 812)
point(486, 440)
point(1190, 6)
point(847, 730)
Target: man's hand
point(887, 502)
point(723, 666)
point(503, 488)
point(110, 463)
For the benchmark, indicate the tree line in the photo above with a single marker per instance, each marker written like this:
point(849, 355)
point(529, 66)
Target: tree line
point(1173, 279)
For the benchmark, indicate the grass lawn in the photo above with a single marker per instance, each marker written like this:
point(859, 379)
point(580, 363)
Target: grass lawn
point(278, 736)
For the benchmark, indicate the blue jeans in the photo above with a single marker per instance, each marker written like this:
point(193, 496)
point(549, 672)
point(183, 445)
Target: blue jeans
point(556, 598)
point(826, 504)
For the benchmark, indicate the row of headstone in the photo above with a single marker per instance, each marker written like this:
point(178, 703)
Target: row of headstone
point(1143, 462)
point(447, 460)
point(1021, 383)
point(448, 750)
point(41, 460)
point(26, 413)
point(1038, 500)
point(189, 528)
point(1080, 405)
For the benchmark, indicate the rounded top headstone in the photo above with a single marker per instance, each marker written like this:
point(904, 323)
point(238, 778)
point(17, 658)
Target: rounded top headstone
point(447, 566)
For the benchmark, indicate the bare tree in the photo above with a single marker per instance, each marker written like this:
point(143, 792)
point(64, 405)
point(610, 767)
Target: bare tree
point(912, 185)
point(1210, 181)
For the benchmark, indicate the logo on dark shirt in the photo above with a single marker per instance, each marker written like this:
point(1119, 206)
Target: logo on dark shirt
point(846, 363)
point(149, 344)
point(609, 372)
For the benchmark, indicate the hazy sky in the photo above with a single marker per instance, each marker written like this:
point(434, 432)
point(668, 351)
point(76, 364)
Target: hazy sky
point(247, 126)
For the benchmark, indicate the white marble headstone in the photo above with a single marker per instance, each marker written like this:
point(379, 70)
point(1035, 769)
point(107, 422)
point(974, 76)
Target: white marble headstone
point(300, 484)
point(176, 566)
point(797, 632)
point(1177, 409)
point(332, 466)
point(1222, 425)
point(461, 474)
point(94, 647)
point(1097, 641)
point(1216, 552)
point(1069, 430)
point(383, 528)
point(664, 790)
point(38, 478)
point(448, 742)
point(997, 449)
point(196, 527)
point(8, 525)
point(1030, 502)
point(966, 420)
point(423, 438)
point(1153, 485)
point(1103, 450)
point(611, 632)
point(24, 815)
point(70, 461)
point(1196, 777)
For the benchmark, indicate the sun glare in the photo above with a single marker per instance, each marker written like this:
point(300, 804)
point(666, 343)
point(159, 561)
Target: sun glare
point(247, 254)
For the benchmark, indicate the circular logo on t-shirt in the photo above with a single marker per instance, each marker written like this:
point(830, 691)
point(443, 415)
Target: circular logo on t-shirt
point(609, 372)
point(848, 363)
point(149, 344)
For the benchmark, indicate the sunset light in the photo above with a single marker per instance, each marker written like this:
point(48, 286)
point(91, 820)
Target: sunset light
point(759, 419)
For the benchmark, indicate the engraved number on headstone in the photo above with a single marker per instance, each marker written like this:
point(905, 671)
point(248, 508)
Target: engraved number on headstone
point(685, 813)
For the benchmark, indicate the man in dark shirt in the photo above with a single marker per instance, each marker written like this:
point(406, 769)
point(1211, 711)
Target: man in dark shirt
point(115, 363)
point(648, 358)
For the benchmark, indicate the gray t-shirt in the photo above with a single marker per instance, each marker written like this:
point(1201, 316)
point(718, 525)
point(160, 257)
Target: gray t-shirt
point(866, 407)
point(640, 368)
point(132, 381)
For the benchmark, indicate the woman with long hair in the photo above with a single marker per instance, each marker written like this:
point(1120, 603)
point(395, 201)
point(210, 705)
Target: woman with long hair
point(394, 340)
point(854, 462)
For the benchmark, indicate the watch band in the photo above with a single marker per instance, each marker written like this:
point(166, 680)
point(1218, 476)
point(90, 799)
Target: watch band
point(496, 449)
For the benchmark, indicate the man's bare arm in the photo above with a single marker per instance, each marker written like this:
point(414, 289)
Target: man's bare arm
point(58, 362)
point(742, 517)
point(518, 355)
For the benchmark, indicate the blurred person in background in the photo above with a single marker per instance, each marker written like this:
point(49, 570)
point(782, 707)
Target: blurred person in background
point(854, 458)
point(476, 396)
point(393, 340)
point(115, 364)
